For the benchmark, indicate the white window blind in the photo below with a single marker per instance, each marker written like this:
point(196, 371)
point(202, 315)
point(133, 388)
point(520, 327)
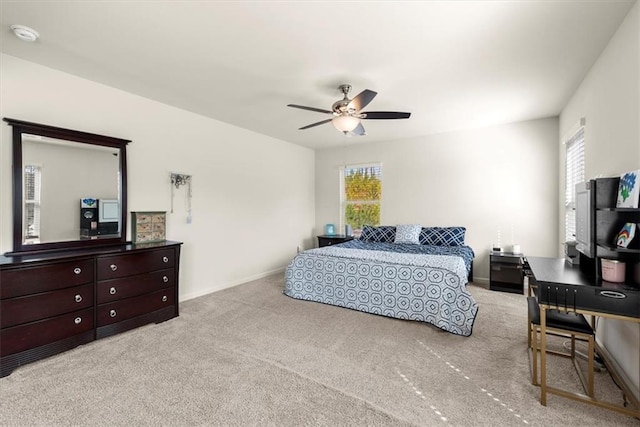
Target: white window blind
point(574, 167)
point(32, 178)
point(361, 193)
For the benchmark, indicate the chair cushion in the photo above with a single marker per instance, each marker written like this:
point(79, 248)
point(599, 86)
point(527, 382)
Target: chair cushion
point(573, 322)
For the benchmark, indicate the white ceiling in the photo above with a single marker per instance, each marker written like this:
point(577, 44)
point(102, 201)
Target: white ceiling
point(452, 64)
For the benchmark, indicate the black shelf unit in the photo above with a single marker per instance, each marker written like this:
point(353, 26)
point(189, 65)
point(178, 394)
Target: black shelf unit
point(608, 221)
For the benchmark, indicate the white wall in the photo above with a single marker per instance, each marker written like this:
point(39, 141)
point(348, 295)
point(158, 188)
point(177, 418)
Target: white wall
point(497, 178)
point(253, 198)
point(609, 100)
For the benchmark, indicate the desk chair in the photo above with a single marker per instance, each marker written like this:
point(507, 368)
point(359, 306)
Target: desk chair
point(560, 323)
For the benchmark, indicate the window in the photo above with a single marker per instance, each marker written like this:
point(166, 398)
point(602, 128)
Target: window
point(32, 177)
point(361, 192)
point(574, 166)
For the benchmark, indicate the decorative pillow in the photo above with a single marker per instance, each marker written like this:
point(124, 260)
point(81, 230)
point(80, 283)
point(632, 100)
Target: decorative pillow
point(442, 236)
point(408, 233)
point(384, 234)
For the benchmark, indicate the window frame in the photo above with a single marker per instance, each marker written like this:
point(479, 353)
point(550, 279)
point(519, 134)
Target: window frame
point(574, 173)
point(343, 199)
point(36, 202)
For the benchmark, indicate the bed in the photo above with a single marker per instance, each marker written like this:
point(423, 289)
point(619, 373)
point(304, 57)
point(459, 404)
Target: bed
point(422, 279)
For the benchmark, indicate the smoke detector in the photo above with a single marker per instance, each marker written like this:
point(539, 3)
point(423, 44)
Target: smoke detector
point(25, 33)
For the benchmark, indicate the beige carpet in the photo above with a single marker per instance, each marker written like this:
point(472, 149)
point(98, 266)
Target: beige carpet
point(250, 355)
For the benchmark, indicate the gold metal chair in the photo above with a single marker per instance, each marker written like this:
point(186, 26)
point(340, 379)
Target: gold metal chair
point(567, 324)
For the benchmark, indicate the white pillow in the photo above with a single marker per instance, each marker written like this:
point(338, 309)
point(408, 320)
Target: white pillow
point(408, 233)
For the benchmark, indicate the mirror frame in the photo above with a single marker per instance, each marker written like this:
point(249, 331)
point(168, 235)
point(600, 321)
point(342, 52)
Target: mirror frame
point(21, 127)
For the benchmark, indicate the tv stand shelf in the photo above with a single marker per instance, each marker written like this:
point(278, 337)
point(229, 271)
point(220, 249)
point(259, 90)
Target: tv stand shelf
point(614, 248)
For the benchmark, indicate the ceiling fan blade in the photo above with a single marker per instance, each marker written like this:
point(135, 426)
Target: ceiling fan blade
point(359, 130)
point(385, 115)
point(315, 124)
point(362, 99)
point(317, 110)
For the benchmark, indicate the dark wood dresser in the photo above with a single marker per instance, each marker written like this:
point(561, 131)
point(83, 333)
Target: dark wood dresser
point(55, 301)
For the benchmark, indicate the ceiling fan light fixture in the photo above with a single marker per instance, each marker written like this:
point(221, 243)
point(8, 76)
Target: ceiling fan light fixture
point(347, 113)
point(345, 124)
point(25, 33)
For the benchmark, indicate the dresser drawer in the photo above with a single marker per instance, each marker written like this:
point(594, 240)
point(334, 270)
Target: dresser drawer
point(35, 334)
point(135, 306)
point(46, 277)
point(125, 287)
point(15, 311)
point(112, 267)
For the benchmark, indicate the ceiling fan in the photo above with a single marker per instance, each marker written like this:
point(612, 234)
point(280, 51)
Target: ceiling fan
point(347, 112)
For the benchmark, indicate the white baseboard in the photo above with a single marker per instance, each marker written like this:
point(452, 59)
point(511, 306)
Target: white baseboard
point(621, 378)
point(206, 291)
point(481, 281)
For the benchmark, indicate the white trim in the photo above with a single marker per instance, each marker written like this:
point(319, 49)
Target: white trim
point(342, 202)
point(574, 173)
point(206, 291)
point(574, 130)
point(360, 165)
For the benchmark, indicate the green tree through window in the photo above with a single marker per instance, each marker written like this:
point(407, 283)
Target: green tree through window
point(362, 193)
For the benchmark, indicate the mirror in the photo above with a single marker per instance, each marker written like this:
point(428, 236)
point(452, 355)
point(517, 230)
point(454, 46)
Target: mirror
point(69, 188)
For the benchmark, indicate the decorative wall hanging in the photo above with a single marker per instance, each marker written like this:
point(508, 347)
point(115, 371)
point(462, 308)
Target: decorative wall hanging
point(628, 190)
point(178, 180)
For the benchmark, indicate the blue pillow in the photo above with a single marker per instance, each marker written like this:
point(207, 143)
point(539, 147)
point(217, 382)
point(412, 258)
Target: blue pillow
point(442, 236)
point(408, 233)
point(384, 234)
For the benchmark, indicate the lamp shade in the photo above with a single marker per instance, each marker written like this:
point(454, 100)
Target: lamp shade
point(345, 123)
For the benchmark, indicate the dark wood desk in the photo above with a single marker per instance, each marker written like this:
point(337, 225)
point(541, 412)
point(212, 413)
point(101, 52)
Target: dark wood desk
point(562, 286)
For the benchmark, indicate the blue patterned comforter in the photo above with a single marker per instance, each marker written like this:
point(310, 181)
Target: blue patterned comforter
point(395, 280)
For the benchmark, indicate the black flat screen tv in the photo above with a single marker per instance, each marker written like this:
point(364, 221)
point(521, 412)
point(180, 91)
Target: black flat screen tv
point(585, 238)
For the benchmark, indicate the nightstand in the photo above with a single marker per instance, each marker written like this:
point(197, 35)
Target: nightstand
point(334, 239)
point(505, 272)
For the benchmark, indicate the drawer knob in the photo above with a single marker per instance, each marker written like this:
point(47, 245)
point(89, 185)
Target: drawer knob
point(112, 290)
point(164, 298)
point(77, 320)
point(78, 298)
point(165, 279)
point(77, 270)
point(112, 313)
point(165, 259)
point(113, 267)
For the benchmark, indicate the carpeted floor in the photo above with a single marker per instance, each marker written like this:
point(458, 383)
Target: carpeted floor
point(250, 355)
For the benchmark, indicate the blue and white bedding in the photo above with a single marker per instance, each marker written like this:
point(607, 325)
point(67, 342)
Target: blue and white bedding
point(464, 252)
point(406, 281)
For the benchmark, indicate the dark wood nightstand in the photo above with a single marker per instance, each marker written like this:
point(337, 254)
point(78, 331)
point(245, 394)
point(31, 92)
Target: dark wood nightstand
point(505, 272)
point(326, 240)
